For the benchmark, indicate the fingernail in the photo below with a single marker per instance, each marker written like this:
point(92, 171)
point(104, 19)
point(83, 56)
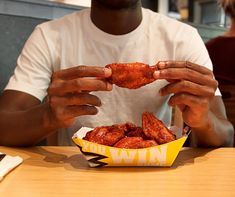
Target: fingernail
point(156, 74)
point(107, 72)
point(161, 64)
point(109, 86)
point(99, 104)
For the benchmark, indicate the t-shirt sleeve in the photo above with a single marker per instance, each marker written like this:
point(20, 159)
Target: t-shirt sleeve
point(194, 50)
point(34, 67)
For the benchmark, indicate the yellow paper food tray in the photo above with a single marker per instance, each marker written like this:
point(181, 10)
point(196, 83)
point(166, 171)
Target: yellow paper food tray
point(99, 155)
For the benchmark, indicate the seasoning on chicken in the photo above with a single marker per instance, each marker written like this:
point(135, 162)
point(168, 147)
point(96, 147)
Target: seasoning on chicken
point(136, 132)
point(106, 135)
point(128, 135)
point(155, 129)
point(134, 143)
point(131, 75)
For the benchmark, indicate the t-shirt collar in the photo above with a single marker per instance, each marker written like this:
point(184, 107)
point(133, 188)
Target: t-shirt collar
point(104, 37)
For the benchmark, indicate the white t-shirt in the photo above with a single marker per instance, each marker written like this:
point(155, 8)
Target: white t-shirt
point(74, 40)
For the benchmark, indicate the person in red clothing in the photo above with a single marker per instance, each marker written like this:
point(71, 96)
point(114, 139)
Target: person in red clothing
point(221, 50)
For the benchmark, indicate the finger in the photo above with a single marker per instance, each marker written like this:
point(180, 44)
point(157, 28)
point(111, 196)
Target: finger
point(74, 111)
point(82, 71)
point(195, 110)
point(184, 64)
point(61, 87)
point(187, 87)
point(181, 107)
point(189, 100)
point(185, 74)
point(172, 80)
point(75, 99)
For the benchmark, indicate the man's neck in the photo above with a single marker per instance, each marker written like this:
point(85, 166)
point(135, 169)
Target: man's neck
point(116, 22)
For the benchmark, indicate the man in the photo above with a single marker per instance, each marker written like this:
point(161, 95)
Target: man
point(59, 81)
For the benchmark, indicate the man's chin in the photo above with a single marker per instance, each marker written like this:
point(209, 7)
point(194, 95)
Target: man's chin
point(117, 4)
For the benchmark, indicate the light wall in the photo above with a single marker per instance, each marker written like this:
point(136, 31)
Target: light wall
point(85, 3)
point(163, 6)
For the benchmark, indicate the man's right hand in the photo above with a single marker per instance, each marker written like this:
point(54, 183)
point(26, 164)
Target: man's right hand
point(69, 93)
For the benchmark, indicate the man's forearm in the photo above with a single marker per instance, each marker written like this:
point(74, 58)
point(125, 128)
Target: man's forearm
point(218, 132)
point(25, 128)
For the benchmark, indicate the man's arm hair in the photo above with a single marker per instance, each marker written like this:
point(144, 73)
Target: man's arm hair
point(23, 119)
point(219, 131)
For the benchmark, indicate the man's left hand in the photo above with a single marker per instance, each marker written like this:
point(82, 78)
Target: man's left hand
point(193, 86)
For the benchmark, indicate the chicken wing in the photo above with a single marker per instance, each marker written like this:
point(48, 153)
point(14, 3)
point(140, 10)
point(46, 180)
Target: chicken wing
point(155, 129)
point(131, 75)
point(109, 135)
point(134, 143)
point(106, 135)
point(136, 132)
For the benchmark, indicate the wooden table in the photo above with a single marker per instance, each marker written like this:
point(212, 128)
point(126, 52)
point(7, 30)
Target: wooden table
point(62, 171)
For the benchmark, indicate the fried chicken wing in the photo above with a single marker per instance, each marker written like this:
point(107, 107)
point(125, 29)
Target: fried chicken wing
point(109, 135)
point(134, 143)
point(106, 135)
point(126, 127)
point(131, 75)
point(155, 129)
point(136, 132)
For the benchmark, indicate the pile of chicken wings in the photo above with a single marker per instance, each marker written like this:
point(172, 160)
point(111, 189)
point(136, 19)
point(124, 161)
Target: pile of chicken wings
point(152, 133)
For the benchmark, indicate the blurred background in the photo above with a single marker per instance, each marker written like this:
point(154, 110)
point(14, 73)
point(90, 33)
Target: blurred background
point(197, 11)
